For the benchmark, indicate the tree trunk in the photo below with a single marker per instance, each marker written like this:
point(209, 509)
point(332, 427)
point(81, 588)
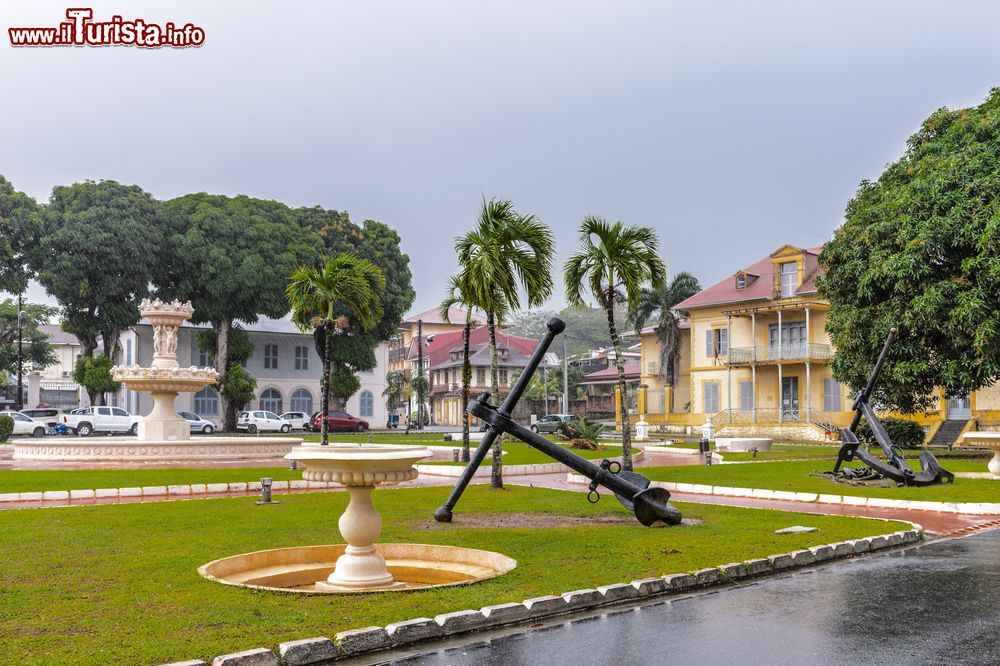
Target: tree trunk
point(110, 339)
point(466, 380)
point(622, 389)
point(324, 435)
point(221, 329)
point(496, 477)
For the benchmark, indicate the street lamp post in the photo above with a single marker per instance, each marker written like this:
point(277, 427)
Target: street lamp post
point(565, 379)
point(20, 357)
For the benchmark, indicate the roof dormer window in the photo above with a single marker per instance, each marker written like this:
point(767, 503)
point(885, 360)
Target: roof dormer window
point(789, 278)
point(741, 281)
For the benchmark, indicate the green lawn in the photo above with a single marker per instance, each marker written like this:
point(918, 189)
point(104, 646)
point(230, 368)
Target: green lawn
point(786, 452)
point(18, 481)
point(795, 476)
point(519, 453)
point(119, 583)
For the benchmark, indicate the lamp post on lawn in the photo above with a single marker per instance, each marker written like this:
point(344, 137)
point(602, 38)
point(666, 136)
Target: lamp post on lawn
point(20, 356)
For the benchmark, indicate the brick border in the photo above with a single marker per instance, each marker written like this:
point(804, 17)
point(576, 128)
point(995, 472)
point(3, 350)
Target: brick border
point(969, 508)
point(356, 642)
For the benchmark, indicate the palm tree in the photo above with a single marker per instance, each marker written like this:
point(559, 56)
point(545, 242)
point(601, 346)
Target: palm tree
point(325, 300)
point(397, 388)
point(660, 303)
point(456, 296)
point(614, 261)
point(505, 253)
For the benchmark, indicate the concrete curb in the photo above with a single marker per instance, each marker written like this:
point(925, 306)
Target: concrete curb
point(455, 471)
point(969, 508)
point(162, 491)
point(356, 642)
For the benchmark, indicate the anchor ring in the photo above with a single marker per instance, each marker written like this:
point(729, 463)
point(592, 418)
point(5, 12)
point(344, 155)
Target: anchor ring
point(596, 497)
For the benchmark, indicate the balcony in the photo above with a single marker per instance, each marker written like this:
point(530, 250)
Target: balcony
point(767, 354)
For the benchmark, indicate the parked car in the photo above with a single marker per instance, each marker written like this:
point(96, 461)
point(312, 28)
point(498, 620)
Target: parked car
point(197, 423)
point(298, 420)
point(339, 422)
point(88, 420)
point(261, 421)
point(550, 423)
point(25, 425)
point(50, 416)
point(414, 417)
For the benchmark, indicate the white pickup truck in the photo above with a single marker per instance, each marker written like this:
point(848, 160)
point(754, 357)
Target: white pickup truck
point(101, 419)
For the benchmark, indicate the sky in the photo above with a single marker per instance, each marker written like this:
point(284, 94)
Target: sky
point(732, 128)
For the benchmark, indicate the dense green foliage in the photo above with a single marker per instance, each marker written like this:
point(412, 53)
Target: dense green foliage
point(613, 263)
point(37, 351)
point(904, 433)
point(118, 584)
point(93, 373)
point(20, 228)
point(657, 304)
point(6, 428)
point(97, 257)
point(240, 386)
point(920, 251)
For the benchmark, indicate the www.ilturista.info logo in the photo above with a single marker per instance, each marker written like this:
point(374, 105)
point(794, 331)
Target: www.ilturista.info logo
point(80, 30)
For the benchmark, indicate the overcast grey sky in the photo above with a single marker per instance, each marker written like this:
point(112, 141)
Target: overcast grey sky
point(730, 127)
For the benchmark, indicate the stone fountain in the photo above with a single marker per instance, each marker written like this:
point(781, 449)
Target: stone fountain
point(163, 435)
point(989, 440)
point(362, 565)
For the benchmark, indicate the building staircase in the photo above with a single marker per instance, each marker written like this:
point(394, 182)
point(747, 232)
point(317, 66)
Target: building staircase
point(948, 433)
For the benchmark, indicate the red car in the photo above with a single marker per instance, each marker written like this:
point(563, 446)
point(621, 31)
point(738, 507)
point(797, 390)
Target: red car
point(338, 421)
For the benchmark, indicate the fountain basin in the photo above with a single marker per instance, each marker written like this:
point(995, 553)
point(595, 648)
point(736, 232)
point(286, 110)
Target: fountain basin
point(414, 566)
point(131, 449)
point(989, 440)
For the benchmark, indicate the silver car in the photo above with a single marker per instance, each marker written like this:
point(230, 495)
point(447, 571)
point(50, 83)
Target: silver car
point(550, 423)
point(197, 423)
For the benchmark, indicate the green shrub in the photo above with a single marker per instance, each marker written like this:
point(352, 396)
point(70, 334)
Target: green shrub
point(904, 434)
point(581, 433)
point(6, 427)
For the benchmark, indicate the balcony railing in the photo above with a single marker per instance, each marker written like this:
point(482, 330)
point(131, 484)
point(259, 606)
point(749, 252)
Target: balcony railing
point(772, 354)
point(769, 415)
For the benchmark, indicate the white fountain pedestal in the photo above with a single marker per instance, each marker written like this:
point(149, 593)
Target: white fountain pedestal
point(360, 468)
point(989, 440)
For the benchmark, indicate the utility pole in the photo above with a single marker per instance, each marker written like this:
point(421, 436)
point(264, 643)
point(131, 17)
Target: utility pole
point(20, 357)
point(565, 379)
point(420, 374)
point(545, 388)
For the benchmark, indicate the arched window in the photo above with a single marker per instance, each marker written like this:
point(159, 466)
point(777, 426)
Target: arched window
point(302, 401)
point(206, 402)
point(270, 400)
point(367, 404)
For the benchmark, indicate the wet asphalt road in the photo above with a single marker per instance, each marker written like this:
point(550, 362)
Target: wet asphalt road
point(938, 604)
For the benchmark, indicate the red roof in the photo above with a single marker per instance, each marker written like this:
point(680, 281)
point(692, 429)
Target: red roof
point(438, 350)
point(456, 315)
point(610, 374)
point(761, 288)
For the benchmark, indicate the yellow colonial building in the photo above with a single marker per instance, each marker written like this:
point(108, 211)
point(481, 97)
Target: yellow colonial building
point(756, 358)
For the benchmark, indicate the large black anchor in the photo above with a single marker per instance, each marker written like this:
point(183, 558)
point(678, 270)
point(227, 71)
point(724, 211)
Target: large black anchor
point(894, 467)
point(650, 505)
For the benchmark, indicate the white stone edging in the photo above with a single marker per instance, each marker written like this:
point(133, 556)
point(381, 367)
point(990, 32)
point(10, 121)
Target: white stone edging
point(356, 642)
point(484, 472)
point(971, 508)
point(162, 491)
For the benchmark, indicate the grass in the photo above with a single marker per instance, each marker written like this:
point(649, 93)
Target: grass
point(519, 453)
point(795, 476)
point(786, 452)
point(119, 583)
point(19, 481)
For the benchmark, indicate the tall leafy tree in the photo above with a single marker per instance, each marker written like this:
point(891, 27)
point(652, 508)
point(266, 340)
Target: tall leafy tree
point(397, 388)
point(231, 257)
point(613, 263)
point(20, 229)
point(318, 296)
point(379, 244)
point(93, 373)
point(100, 244)
point(461, 295)
point(240, 386)
point(919, 250)
point(505, 253)
point(37, 351)
point(658, 304)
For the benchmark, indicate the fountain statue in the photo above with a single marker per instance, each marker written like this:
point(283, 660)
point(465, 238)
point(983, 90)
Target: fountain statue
point(165, 379)
point(163, 434)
